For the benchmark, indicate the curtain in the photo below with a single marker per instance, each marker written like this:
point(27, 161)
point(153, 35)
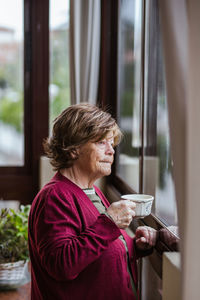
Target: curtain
point(181, 25)
point(84, 50)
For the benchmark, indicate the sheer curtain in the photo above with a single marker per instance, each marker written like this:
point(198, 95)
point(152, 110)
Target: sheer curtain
point(84, 50)
point(181, 25)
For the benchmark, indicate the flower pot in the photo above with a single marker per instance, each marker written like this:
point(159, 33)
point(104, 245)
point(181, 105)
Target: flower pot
point(12, 274)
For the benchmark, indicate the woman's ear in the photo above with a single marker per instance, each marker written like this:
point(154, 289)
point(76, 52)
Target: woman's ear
point(75, 153)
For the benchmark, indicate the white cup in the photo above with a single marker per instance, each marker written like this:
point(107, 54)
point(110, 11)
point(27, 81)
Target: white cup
point(143, 203)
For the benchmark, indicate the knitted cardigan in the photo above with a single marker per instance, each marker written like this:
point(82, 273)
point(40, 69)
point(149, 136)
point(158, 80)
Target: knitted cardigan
point(74, 250)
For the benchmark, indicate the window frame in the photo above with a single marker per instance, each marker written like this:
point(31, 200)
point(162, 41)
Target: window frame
point(21, 182)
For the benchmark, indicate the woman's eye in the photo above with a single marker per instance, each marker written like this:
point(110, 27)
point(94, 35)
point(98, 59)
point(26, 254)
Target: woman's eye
point(104, 143)
point(101, 143)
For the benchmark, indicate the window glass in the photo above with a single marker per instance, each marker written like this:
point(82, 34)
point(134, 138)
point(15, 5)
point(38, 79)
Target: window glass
point(59, 86)
point(143, 99)
point(158, 166)
point(130, 33)
point(11, 83)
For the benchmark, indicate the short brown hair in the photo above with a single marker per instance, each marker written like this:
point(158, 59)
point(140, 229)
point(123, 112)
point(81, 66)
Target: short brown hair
point(75, 126)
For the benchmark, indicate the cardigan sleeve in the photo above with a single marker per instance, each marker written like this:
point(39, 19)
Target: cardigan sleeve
point(64, 249)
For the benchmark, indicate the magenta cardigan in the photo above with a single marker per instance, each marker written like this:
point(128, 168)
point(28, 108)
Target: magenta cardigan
point(75, 251)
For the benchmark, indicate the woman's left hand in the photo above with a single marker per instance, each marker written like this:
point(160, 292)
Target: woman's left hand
point(145, 237)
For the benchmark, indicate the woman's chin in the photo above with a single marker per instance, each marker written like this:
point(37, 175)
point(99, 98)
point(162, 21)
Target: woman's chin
point(106, 172)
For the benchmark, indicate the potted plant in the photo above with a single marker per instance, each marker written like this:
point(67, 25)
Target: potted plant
point(14, 252)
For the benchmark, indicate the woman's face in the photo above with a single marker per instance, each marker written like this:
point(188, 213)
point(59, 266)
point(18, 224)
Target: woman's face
point(95, 158)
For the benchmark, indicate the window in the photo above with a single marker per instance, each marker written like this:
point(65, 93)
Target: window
point(24, 71)
point(158, 166)
point(130, 33)
point(11, 83)
point(144, 160)
point(34, 88)
point(59, 86)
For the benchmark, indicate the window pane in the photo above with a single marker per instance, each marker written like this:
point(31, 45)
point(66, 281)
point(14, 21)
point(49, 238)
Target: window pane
point(59, 87)
point(158, 167)
point(11, 83)
point(129, 90)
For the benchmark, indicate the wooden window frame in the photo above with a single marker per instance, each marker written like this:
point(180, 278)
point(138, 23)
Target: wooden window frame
point(21, 182)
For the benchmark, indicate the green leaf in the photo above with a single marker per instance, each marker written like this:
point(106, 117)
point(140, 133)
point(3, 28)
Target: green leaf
point(14, 234)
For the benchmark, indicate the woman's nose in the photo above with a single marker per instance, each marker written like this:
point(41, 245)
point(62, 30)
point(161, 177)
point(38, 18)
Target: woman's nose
point(109, 149)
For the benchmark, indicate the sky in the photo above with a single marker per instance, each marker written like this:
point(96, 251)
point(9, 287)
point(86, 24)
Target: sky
point(59, 10)
point(11, 14)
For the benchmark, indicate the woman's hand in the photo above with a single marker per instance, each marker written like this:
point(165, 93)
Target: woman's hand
point(145, 237)
point(122, 212)
point(169, 236)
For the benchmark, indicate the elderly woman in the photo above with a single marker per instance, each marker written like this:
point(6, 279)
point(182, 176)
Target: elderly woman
point(78, 246)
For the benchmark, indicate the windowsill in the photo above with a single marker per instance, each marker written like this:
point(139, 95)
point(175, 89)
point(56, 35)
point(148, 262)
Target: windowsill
point(171, 276)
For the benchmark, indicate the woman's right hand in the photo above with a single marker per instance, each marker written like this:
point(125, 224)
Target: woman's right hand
point(122, 212)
